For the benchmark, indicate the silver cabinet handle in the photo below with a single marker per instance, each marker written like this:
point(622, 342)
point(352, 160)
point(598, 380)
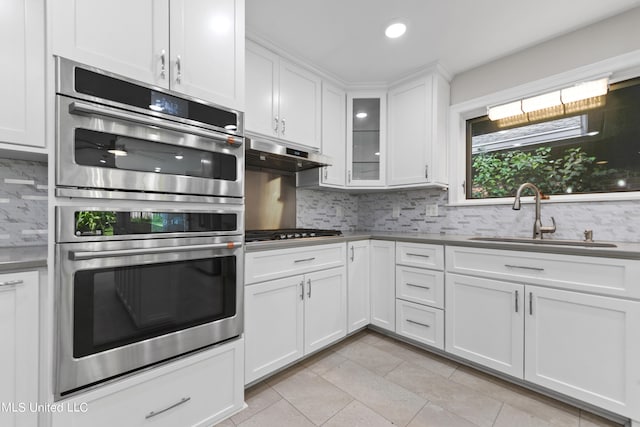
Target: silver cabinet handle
point(524, 267)
point(302, 289)
point(309, 290)
point(426, 171)
point(284, 126)
point(276, 123)
point(11, 283)
point(80, 108)
point(84, 255)
point(326, 172)
point(349, 176)
point(163, 68)
point(531, 303)
point(418, 286)
point(418, 323)
point(168, 408)
point(516, 301)
point(178, 69)
point(352, 253)
point(420, 255)
point(304, 259)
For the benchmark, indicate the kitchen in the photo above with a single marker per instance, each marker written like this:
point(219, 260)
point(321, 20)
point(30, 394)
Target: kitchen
point(407, 221)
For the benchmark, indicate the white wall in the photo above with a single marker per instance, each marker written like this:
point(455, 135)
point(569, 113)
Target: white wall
point(611, 37)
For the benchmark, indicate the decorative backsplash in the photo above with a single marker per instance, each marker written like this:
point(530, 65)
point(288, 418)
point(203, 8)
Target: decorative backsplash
point(610, 221)
point(23, 203)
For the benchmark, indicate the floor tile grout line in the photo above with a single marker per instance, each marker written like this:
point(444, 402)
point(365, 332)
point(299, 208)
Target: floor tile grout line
point(419, 410)
point(498, 414)
point(261, 410)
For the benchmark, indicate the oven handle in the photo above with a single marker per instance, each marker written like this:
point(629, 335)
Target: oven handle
point(84, 255)
point(83, 108)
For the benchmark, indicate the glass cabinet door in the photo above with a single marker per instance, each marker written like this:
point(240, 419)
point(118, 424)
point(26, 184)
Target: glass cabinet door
point(366, 130)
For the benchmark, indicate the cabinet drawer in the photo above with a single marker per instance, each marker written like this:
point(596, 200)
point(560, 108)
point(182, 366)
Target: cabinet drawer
point(420, 286)
point(275, 264)
point(420, 255)
point(608, 276)
point(420, 323)
point(198, 391)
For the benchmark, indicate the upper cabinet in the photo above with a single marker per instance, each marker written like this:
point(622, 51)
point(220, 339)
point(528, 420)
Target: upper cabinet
point(195, 47)
point(334, 117)
point(22, 78)
point(366, 139)
point(417, 131)
point(283, 100)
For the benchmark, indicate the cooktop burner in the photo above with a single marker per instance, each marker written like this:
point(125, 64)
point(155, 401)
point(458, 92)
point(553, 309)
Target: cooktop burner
point(288, 233)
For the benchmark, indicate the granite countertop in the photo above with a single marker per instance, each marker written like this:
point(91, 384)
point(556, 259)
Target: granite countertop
point(622, 250)
point(22, 257)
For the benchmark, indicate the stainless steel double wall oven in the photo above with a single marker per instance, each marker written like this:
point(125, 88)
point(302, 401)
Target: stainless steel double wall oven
point(149, 225)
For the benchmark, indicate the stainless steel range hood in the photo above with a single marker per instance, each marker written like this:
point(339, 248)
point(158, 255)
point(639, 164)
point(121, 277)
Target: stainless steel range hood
point(267, 154)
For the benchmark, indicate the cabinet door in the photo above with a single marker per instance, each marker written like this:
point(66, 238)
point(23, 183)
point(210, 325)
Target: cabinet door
point(409, 142)
point(358, 285)
point(421, 323)
point(584, 346)
point(22, 76)
point(366, 139)
point(121, 36)
point(382, 284)
point(207, 50)
point(273, 325)
point(19, 350)
point(300, 105)
point(484, 322)
point(334, 134)
point(261, 81)
point(325, 311)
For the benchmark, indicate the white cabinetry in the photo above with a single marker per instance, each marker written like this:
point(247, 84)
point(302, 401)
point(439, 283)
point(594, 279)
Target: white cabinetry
point(195, 47)
point(22, 76)
point(19, 351)
point(283, 100)
point(416, 146)
point(334, 132)
point(358, 308)
point(197, 391)
point(382, 284)
point(569, 340)
point(420, 292)
point(299, 311)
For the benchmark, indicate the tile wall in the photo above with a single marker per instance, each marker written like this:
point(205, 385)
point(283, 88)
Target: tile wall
point(326, 209)
point(23, 203)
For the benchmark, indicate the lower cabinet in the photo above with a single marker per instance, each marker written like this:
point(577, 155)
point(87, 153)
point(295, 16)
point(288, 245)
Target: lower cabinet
point(19, 351)
point(420, 323)
point(383, 284)
point(288, 318)
point(196, 391)
point(358, 302)
point(577, 344)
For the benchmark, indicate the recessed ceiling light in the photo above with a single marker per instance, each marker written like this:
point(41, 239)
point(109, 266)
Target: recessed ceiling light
point(395, 30)
point(361, 115)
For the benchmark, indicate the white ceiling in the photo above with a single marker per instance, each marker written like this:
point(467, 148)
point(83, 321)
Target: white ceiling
point(346, 37)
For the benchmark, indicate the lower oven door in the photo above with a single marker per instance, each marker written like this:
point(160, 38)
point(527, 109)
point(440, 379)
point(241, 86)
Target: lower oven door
point(121, 306)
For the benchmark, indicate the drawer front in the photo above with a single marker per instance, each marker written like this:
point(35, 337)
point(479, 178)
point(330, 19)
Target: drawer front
point(275, 264)
point(420, 255)
point(420, 323)
point(420, 286)
point(607, 276)
point(201, 393)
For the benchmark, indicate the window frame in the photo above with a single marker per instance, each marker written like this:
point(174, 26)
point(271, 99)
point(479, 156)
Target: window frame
point(618, 68)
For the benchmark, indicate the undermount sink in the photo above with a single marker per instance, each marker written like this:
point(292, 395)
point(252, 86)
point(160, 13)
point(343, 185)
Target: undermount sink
point(545, 242)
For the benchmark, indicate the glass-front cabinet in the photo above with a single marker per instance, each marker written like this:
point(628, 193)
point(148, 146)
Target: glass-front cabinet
point(366, 138)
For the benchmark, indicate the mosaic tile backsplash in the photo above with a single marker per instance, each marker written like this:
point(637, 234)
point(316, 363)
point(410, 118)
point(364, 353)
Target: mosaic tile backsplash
point(610, 221)
point(23, 203)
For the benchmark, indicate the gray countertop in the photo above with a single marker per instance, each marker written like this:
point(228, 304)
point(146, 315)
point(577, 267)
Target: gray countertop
point(22, 257)
point(622, 250)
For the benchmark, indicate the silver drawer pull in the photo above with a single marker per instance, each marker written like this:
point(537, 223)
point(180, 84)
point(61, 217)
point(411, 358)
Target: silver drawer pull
point(418, 286)
point(420, 255)
point(418, 323)
point(154, 413)
point(305, 259)
point(524, 267)
point(11, 283)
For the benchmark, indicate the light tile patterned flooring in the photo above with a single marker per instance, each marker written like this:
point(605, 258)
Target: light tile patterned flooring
point(371, 380)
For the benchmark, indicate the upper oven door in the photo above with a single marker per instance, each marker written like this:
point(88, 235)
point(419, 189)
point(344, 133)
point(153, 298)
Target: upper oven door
point(104, 147)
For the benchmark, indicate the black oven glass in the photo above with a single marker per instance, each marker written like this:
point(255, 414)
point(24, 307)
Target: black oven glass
point(125, 223)
point(117, 306)
point(112, 151)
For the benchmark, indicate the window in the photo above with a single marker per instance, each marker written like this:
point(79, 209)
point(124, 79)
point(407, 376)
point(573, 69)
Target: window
point(594, 150)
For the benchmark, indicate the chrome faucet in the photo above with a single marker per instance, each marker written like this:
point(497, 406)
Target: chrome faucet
point(538, 228)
